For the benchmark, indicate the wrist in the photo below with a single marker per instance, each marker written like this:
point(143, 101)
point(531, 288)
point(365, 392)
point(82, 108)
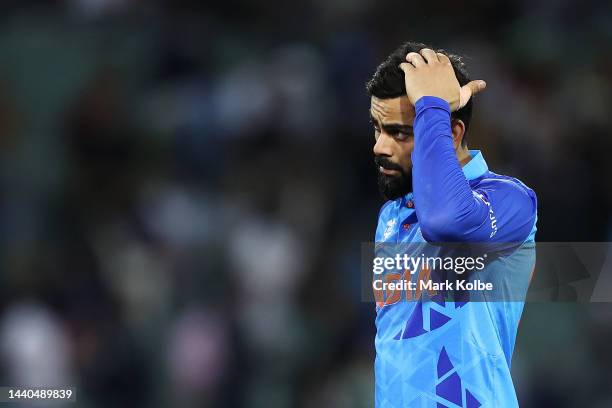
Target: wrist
point(426, 101)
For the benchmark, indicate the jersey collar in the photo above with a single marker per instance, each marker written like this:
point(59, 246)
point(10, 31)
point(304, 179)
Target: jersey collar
point(476, 167)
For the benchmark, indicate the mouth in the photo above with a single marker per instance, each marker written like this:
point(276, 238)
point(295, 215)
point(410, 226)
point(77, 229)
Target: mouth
point(387, 172)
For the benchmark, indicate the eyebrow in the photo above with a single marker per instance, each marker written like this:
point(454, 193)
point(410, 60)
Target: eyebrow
point(392, 127)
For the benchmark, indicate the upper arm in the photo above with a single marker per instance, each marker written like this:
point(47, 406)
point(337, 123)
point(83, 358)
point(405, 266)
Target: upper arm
point(499, 210)
point(511, 211)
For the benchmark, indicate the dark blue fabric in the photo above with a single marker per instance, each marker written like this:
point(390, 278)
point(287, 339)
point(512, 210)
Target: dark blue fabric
point(495, 209)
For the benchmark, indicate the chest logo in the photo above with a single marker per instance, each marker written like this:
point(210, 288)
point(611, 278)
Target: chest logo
point(389, 229)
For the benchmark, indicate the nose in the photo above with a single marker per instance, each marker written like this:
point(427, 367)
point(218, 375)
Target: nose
point(383, 144)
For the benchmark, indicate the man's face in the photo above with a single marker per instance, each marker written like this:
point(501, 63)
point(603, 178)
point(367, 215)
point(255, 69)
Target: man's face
point(392, 120)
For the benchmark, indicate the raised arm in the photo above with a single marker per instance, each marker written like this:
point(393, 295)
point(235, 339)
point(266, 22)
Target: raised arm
point(498, 210)
point(449, 210)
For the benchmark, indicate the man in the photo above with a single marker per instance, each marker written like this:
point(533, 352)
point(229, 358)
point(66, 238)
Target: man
point(445, 353)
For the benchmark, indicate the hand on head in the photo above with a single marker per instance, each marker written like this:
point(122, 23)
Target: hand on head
point(428, 73)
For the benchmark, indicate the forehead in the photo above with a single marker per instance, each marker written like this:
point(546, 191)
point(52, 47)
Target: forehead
point(392, 110)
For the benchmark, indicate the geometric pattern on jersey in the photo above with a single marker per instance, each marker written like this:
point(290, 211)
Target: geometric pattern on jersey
point(427, 317)
point(449, 386)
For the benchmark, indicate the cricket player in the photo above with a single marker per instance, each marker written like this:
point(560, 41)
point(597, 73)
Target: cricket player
point(445, 353)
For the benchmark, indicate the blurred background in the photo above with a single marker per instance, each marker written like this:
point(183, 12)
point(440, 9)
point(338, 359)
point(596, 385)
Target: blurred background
point(185, 186)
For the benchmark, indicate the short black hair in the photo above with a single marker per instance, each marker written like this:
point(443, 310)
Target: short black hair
point(388, 80)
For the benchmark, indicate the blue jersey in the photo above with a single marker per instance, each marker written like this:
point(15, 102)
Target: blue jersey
point(450, 353)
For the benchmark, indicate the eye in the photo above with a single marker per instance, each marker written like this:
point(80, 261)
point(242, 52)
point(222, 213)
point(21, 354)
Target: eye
point(401, 136)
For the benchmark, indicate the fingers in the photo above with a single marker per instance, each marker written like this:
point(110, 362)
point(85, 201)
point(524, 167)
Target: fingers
point(406, 67)
point(415, 59)
point(426, 56)
point(429, 55)
point(470, 89)
point(443, 58)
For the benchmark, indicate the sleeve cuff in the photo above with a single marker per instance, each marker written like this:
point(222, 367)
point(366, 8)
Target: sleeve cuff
point(431, 102)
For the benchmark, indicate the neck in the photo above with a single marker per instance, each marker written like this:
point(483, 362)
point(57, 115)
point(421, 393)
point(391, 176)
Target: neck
point(463, 155)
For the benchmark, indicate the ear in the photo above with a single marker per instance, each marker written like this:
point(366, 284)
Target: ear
point(458, 129)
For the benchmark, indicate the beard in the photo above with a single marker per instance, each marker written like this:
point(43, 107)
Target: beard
point(393, 187)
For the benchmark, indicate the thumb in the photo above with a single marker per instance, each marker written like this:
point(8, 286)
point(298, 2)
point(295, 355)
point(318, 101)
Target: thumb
point(470, 89)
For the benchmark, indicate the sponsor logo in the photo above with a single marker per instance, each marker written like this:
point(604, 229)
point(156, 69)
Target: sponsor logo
point(389, 229)
point(491, 215)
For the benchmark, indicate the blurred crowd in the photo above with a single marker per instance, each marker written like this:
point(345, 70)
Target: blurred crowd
point(185, 187)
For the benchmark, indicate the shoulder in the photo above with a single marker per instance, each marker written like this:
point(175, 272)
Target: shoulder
point(512, 204)
point(385, 221)
point(385, 209)
point(505, 190)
